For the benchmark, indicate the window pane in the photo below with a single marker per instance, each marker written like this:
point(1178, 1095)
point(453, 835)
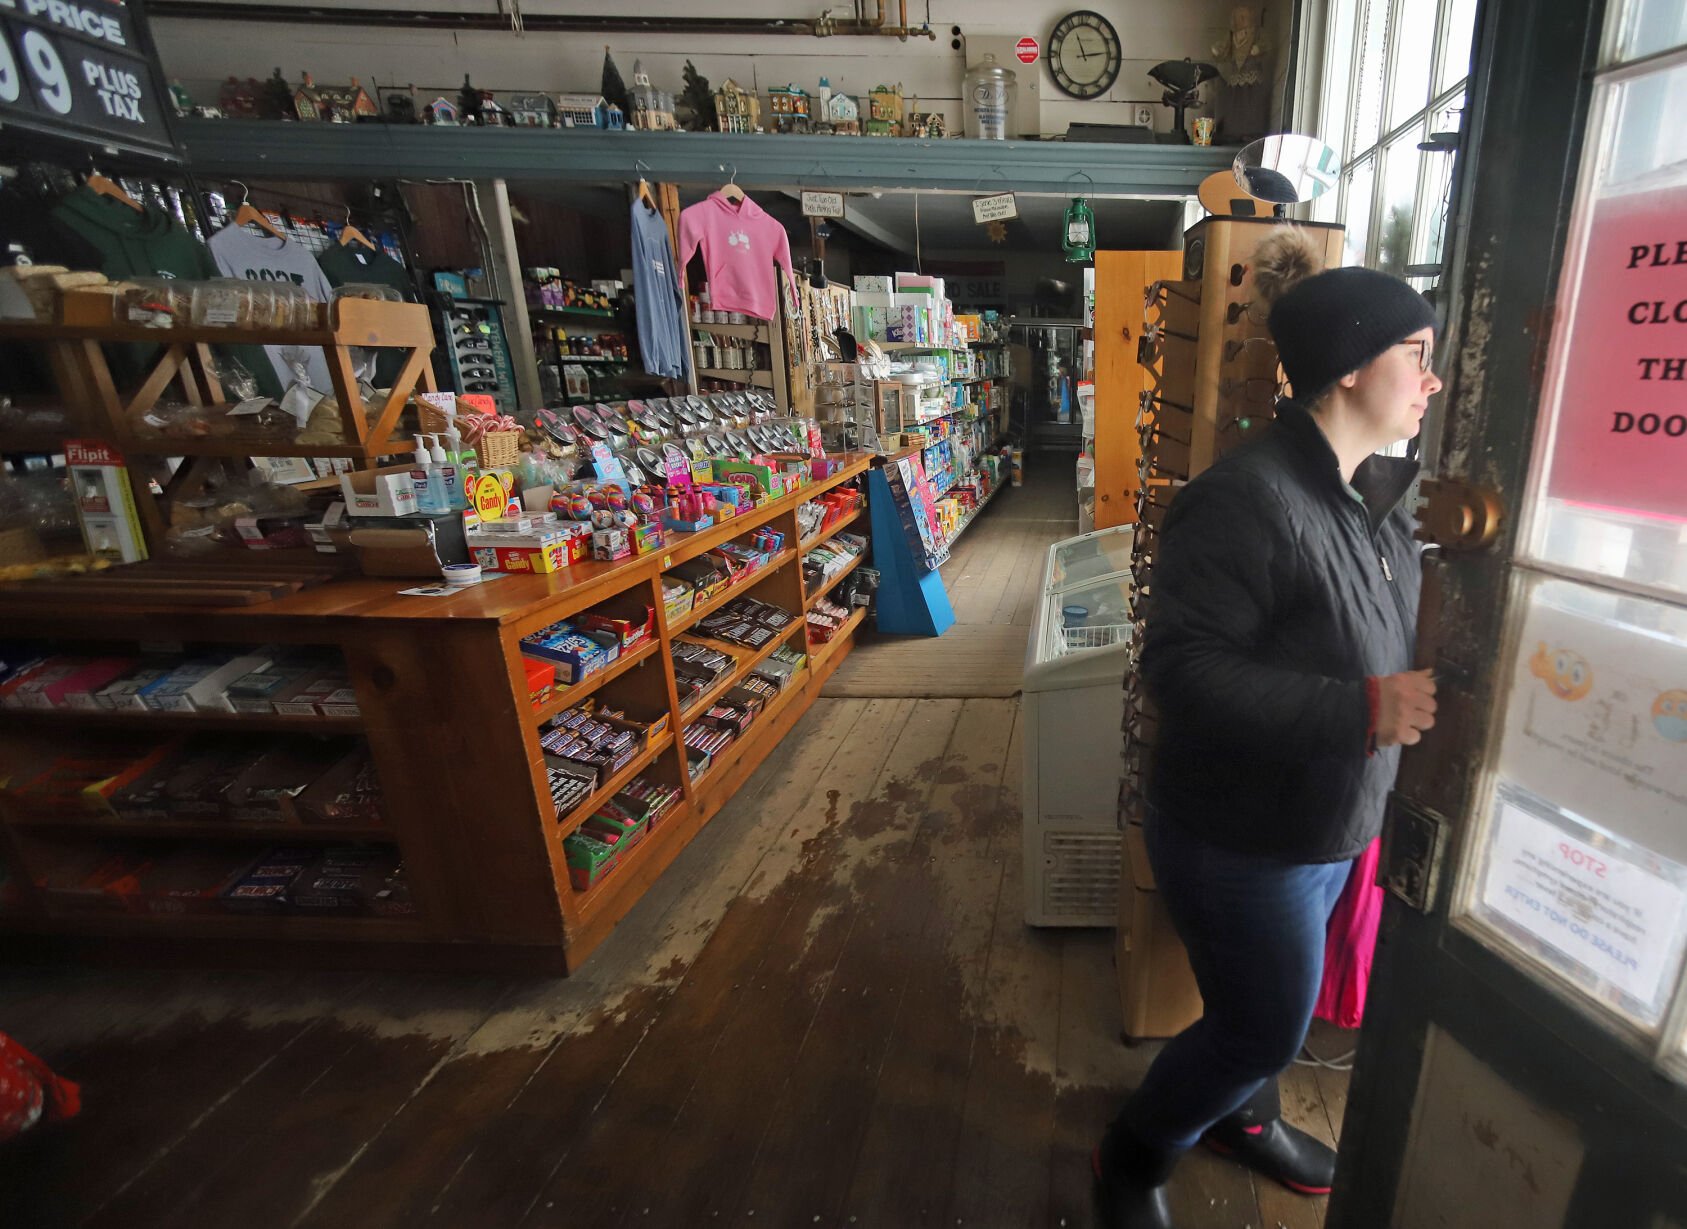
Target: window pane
point(1611, 500)
point(1373, 61)
point(1410, 50)
point(1583, 857)
point(1356, 211)
point(1338, 76)
point(1399, 202)
point(1647, 27)
point(1455, 54)
point(1430, 232)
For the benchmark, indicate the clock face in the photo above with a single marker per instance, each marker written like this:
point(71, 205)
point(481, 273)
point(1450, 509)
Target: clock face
point(1084, 54)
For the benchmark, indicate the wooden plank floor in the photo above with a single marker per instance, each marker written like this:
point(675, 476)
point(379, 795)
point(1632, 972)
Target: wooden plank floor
point(828, 1012)
point(993, 580)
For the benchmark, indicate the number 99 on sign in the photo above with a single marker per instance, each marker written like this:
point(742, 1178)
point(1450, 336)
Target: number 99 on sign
point(51, 83)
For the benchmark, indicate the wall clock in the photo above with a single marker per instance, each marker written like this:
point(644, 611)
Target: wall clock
point(1084, 54)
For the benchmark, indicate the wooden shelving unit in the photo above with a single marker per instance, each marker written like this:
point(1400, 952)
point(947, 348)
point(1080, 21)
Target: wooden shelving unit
point(444, 707)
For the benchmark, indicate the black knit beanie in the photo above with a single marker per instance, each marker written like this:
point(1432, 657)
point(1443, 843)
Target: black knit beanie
point(1335, 322)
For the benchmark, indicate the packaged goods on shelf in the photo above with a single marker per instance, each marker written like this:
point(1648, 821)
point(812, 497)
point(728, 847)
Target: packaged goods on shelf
point(349, 791)
point(589, 859)
point(577, 654)
point(82, 783)
point(266, 791)
point(349, 879)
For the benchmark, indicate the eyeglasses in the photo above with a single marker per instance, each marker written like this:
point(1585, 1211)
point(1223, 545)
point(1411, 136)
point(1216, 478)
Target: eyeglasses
point(1255, 311)
point(1426, 351)
point(1235, 346)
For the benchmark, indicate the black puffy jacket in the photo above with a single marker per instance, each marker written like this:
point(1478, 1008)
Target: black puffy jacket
point(1274, 594)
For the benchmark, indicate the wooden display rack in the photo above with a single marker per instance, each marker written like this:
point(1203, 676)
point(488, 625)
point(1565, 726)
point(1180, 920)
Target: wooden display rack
point(455, 738)
point(96, 408)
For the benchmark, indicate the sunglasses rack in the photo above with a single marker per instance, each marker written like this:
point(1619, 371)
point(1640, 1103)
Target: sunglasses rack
point(477, 354)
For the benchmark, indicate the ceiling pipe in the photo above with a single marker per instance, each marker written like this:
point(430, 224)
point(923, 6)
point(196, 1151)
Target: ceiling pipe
point(346, 15)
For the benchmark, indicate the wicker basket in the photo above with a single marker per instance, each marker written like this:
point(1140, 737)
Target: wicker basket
point(499, 449)
point(431, 418)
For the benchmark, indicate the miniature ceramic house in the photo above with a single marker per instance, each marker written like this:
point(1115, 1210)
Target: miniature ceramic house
point(239, 99)
point(531, 110)
point(736, 109)
point(492, 113)
point(344, 104)
point(927, 125)
point(788, 106)
point(581, 110)
point(844, 114)
point(614, 119)
point(442, 111)
point(653, 109)
point(884, 111)
point(307, 103)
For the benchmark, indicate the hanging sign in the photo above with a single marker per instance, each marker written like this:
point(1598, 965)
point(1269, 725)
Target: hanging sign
point(82, 71)
point(995, 208)
point(822, 205)
point(1027, 50)
point(1622, 419)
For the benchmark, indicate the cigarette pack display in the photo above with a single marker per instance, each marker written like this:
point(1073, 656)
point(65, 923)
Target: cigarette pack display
point(169, 694)
point(206, 693)
point(340, 702)
point(125, 692)
point(256, 692)
point(78, 689)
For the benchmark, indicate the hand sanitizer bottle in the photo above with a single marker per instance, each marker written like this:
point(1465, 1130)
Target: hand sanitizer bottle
point(425, 479)
point(450, 477)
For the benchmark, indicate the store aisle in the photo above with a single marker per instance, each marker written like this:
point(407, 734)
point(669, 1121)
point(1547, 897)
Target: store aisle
point(829, 1011)
point(992, 580)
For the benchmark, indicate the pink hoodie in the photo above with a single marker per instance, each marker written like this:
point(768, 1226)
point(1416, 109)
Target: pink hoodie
point(741, 245)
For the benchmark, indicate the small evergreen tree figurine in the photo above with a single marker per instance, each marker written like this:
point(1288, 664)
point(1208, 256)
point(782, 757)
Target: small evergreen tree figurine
point(613, 89)
point(468, 104)
point(699, 99)
point(275, 99)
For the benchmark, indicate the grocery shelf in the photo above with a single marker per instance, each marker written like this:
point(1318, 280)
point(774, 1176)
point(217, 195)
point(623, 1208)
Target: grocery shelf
point(698, 613)
point(739, 673)
point(759, 377)
point(597, 312)
point(830, 583)
point(748, 332)
point(206, 829)
point(148, 719)
point(836, 527)
point(819, 654)
point(573, 693)
point(581, 813)
point(734, 750)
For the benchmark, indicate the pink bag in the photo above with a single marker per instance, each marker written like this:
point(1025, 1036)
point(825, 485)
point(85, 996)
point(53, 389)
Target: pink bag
point(1350, 943)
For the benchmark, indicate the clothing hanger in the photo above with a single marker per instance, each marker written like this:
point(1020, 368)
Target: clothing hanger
point(350, 234)
point(102, 186)
point(644, 193)
point(730, 190)
point(248, 214)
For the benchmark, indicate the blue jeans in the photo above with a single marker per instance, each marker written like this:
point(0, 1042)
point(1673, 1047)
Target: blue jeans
point(1255, 933)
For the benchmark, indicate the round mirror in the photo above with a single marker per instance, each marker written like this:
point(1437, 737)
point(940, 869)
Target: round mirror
point(1287, 169)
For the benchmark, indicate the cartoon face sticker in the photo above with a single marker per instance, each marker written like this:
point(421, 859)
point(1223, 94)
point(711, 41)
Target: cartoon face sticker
point(1565, 673)
point(1669, 715)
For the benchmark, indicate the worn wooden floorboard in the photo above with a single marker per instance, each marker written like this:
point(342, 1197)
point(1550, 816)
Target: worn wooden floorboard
point(829, 1007)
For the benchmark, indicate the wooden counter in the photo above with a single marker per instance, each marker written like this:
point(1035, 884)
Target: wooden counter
point(455, 739)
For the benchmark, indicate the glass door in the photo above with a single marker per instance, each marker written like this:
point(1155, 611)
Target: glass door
point(1524, 1057)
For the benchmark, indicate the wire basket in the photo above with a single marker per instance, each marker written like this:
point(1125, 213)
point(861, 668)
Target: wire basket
point(1097, 636)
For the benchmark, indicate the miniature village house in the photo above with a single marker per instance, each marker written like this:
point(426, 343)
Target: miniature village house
point(736, 109)
point(653, 109)
point(531, 110)
point(788, 107)
point(884, 111)
point(344, 104)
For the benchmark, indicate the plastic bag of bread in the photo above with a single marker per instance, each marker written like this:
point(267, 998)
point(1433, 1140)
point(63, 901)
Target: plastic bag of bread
point(230, 302)
point(154, 303)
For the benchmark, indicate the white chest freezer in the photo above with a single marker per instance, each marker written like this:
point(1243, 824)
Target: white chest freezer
point(1073, 708)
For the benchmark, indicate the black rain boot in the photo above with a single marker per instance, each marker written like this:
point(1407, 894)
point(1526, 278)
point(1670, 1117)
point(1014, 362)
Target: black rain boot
point(1281, 1152)
point(1130, 1181)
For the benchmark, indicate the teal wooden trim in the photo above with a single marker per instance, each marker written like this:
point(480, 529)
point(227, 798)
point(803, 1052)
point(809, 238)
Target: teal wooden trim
point(255, 148)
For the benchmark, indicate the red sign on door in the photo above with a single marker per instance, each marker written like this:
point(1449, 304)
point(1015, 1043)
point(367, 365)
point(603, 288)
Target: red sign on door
point(1026, 49)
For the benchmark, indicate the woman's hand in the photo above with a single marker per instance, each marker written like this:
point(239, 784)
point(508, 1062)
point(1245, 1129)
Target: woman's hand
point(1405, 707)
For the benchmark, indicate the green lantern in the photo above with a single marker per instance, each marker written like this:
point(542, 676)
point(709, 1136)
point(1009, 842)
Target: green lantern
point(1078, 238)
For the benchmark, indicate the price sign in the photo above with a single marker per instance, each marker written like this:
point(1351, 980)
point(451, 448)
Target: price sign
point(608, 466)
point(82, 70)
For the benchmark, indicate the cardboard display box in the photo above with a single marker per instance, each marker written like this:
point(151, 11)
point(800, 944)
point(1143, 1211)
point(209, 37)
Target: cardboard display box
point(1156, 985)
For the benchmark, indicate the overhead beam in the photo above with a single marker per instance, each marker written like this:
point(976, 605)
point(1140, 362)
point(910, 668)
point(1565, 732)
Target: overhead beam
point(243, 148)
point(867, 229)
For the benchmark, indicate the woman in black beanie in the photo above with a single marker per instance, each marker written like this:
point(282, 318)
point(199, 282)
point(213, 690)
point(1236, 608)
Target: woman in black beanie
point(1277, 648)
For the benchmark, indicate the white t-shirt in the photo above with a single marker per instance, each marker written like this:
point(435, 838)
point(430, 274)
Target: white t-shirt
point(240, 253)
